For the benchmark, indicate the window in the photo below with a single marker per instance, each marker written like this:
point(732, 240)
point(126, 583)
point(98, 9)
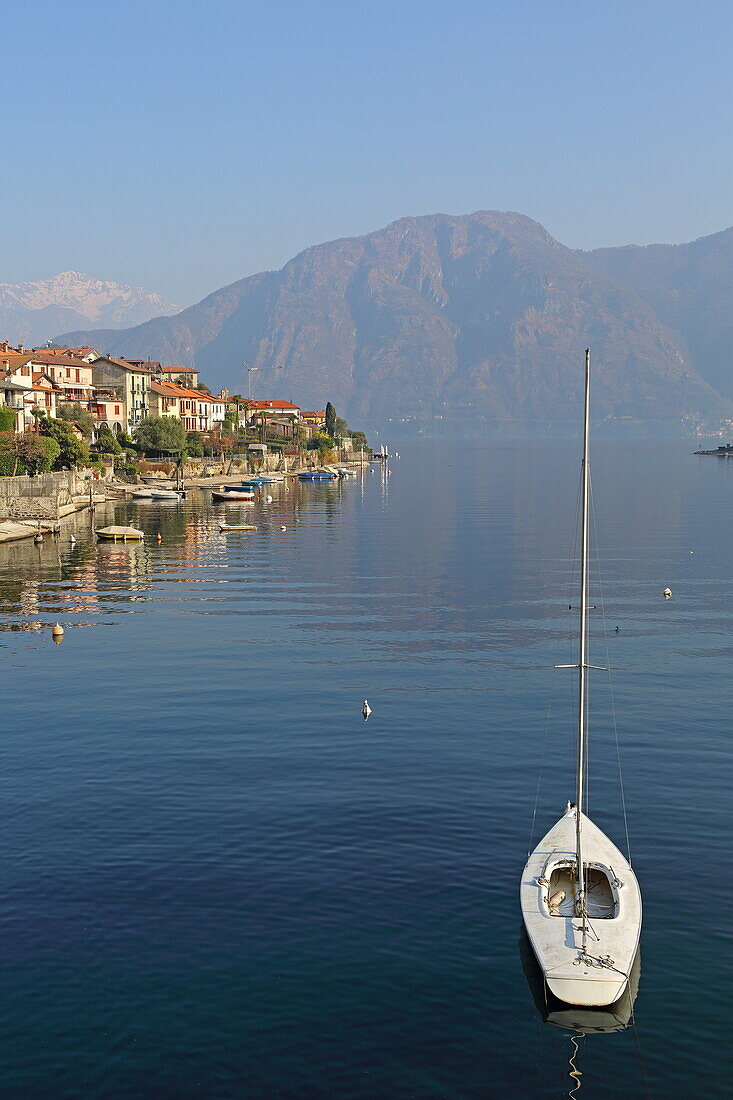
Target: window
point(68, 372)
point(78, 376)
point(117, 410)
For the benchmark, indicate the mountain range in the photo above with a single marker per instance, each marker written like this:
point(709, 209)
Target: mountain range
point(476, 321)
point(31, 313)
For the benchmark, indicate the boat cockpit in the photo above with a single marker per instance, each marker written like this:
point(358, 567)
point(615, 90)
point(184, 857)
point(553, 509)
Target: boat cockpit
point(601, 896)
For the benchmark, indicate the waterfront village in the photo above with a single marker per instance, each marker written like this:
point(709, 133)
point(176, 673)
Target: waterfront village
point(115, 403)
point(71, 418)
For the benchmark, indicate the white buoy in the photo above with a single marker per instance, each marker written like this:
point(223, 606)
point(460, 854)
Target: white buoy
point(366, 710)
point(38, 537)
point(73, 541)
point(269, 500)
point(283, 528)
point(667, 593)
point(57, 631)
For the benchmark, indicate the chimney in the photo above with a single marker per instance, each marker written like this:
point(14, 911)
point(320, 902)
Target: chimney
point(21, 348)
point(5, 346)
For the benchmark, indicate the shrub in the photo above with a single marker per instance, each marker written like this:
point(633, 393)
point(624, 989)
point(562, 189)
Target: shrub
point(8, 418)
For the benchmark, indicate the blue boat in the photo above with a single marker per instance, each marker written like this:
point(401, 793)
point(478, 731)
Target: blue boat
point(258, 481)
point(318, 476)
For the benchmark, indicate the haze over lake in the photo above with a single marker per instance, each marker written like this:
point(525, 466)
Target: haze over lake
point(220, 881)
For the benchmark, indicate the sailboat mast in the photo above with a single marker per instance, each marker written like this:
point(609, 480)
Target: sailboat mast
point(582, 662)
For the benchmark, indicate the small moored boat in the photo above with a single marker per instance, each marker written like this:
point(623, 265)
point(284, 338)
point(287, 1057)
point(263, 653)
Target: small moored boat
point(166, 494)
point(237, 527)
point(231, 494)
point(123, 534)
point(142, 494)
point(317, 475)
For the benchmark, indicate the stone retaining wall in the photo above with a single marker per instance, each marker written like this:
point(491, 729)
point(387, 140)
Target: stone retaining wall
point(40, 497)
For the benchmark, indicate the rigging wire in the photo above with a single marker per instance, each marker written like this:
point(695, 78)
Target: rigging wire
point(610, 679)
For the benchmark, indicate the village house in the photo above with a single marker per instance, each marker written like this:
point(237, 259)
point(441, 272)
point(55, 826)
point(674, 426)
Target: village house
point(108, 409)
point(16, 382)
point(129, 383)
point(278, 417)
point(45, 395)
point(88, 355)
point(312, 422)
point(165, 399)
point(70, 374)
point(185, 376)
point(199, 411)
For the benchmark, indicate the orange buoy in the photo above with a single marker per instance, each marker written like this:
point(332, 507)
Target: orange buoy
point(159, 537)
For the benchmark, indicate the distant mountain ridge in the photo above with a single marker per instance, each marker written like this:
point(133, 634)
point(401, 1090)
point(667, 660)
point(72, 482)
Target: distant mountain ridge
point(474, 320)
point(33, 312)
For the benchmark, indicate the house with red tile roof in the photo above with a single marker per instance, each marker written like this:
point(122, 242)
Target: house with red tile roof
point(199, 411)
point(278, 417)
point(69, 372)
point(187, 376)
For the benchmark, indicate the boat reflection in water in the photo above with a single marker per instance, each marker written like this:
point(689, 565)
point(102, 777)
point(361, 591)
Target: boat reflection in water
point(586, 1021)
point(578, 1020)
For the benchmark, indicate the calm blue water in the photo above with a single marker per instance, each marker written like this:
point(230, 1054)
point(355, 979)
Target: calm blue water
point(218, 881)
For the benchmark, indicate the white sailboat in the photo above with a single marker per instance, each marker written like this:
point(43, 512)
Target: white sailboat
point(580, 900)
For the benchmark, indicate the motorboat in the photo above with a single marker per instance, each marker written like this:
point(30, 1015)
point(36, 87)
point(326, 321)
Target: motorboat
point(317, 475)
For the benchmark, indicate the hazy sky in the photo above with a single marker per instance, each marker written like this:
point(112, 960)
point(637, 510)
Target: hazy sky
point(181, 146)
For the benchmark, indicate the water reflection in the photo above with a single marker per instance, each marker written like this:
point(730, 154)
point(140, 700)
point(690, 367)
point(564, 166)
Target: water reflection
point(74, 574)
point(577, 1020)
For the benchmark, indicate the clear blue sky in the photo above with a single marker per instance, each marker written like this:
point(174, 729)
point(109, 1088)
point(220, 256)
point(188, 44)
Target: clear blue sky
point(181, 146)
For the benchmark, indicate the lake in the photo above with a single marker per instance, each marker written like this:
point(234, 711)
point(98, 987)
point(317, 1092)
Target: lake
point(220, 881)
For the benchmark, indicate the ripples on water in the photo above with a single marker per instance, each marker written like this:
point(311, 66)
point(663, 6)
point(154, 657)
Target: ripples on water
point(219, 881)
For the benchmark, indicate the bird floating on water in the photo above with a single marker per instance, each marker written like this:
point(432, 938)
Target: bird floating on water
point(667, 593)
point(366, 710)
point(72, 540)
point(38, 537)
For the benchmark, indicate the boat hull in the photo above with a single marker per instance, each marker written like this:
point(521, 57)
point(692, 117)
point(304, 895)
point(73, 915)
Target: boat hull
point(231, 496)
point(600, 975)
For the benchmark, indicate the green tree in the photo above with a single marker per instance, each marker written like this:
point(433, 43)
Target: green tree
point(330, 420)
point(26, 453)
point(106, 442)
point(194, 444)
point(45, 454)
point(77, 414)
point(8, 418)
point(341, 428)
point(72, 450)
point(161, 435)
